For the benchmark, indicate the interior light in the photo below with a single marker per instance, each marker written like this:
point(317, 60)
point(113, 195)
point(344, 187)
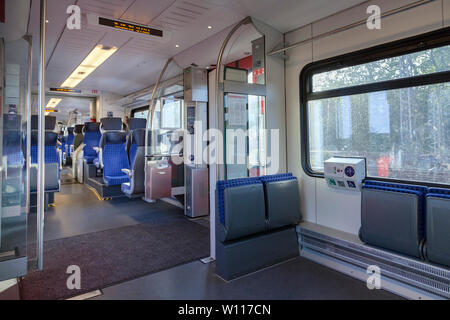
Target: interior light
point(177, 46)
point(209, 27)
point(53, 102)
point(93, 60)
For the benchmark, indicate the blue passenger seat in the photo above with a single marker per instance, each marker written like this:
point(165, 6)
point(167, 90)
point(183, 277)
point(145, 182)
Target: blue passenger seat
point(50, 155)
point(133, 124)
point(115, 158)
point(136, 185)
point(13, 173)
point(69, 142)
point(91, 140)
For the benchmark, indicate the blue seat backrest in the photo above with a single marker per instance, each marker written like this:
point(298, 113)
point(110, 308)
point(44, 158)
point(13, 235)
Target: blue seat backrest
point(111, 123)
point(91, 138)
point(50, 154)
point(136, 123)
point(115, 157)
point(69, 140)
point(136, 139)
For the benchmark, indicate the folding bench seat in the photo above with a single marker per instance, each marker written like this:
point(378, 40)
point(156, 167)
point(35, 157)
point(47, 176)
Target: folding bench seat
point(437, 248)
point(392, 216)
point(250, 235)
point(282, 200)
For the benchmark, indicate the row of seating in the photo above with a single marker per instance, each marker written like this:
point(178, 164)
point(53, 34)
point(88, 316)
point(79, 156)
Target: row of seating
point(255, 223)
point(409, 219)
point(118, 153)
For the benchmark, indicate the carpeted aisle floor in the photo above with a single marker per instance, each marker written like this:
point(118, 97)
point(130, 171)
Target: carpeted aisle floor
point(113, 256)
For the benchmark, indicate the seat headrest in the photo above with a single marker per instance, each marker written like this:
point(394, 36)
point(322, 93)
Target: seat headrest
point(50, 122)
point(111, 123)
point(114, 137)
point(136, 123)
point(70, 130)
point(91, 127)
point(11, 121)
point(78, 128)
point(138, 137)
point(51, 138)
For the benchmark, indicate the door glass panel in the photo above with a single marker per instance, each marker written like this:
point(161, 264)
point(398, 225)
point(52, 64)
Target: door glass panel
point(13, 218)
point(244, 135)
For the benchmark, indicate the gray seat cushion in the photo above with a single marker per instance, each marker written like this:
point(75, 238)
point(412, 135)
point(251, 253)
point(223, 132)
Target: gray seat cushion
point(283, 203)
point(244, 212)
point(390, 220)
point(438, 230)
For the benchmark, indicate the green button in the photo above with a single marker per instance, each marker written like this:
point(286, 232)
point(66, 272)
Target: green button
point(332, 182)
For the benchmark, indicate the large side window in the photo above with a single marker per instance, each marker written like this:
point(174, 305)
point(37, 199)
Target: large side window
point(389, 104)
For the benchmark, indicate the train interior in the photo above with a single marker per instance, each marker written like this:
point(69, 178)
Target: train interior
point(207, 149)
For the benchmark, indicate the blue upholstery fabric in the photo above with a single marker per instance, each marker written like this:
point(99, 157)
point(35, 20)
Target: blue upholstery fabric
point(438, 195)
point(439, 191)
point(51, 155)
point(12, 148)
point(91, 139)
point(114, 160)
point(70, 138)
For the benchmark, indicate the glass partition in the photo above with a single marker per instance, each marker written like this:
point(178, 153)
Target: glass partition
point(13, 127)
point(244, 111)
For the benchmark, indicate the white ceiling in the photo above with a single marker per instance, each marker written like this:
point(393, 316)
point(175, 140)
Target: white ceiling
point(67, 105)
point(138, 61)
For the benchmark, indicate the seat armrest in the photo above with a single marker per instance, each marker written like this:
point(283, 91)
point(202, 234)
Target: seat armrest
point(128, 172)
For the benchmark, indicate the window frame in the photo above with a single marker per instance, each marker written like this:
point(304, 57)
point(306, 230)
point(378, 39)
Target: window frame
point(422, 42)
point(133, 111)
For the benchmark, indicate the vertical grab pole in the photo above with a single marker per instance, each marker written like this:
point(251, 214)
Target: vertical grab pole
point(28, 114)
point(41, 142)
point(151, 109)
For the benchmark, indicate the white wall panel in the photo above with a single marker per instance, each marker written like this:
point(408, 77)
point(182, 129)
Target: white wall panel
point(446, 12)
point(339, 209)
point(393, 27)
point(298, 58)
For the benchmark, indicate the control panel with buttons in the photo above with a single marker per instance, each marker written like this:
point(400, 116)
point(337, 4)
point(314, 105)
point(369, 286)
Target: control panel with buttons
point(345, 173)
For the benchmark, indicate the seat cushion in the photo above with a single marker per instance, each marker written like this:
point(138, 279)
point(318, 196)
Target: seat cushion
point(116, 180)
point(283, 192)
point(244, 212)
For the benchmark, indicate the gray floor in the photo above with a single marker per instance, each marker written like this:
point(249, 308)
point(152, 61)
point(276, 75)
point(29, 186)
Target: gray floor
point(78, 211)
point(298, 279)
